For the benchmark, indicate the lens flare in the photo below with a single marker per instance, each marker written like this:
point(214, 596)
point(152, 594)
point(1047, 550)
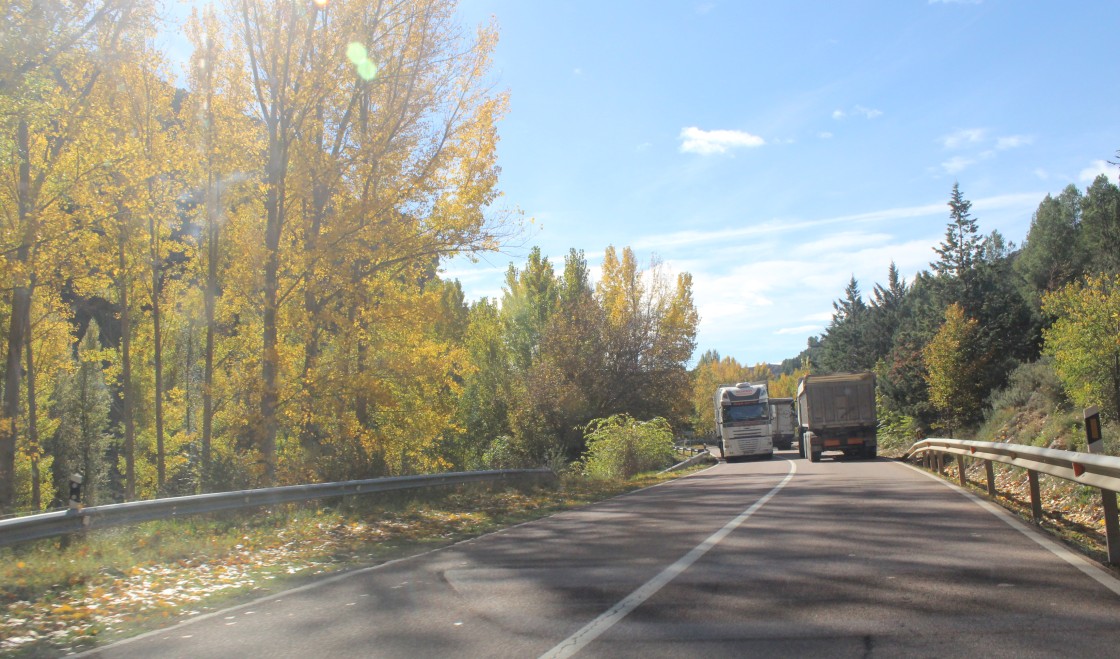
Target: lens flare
point(359, 57)
point(367, 70)
point(320, 3)
point(356, 53)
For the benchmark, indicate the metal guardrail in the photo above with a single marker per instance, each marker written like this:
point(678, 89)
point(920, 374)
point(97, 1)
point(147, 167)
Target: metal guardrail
point(1101, 471)
point(698, 456)
point(45, 525)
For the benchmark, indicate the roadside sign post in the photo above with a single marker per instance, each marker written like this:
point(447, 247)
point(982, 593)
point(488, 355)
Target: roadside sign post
point(1095, 443)
point(1093, 430)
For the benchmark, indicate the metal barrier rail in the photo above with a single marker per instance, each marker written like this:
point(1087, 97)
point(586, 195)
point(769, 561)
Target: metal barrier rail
point(45, 525)
point(699, 456)
point(1101, 471)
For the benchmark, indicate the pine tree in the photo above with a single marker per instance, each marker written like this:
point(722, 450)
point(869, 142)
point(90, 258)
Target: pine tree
point(960, 251)
point(81, 440)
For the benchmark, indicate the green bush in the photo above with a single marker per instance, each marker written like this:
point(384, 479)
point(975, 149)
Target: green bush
point(1034, 385)
point(504, 453)
point(621, 447)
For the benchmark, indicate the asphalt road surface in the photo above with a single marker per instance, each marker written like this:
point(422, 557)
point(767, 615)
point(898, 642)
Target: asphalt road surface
point(770, 558)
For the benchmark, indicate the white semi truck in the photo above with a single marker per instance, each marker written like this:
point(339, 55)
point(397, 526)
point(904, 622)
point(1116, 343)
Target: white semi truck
point(743, 421)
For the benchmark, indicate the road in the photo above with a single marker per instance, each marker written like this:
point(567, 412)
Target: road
point(771, 558)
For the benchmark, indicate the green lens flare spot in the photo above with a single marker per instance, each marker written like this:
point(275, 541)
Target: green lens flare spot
point(367, 70)
point(356, 53)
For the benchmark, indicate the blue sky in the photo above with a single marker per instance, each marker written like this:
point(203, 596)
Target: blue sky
point(775, 149)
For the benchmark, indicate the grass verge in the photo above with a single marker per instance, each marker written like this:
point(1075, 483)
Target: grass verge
point(64, 595)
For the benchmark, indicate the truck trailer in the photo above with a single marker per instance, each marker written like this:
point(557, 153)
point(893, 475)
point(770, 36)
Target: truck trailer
point(837, 413)
point(783, 423)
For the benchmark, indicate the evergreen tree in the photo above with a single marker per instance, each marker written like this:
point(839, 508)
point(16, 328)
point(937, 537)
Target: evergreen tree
point(960, 250)
point(1052, 255)
point(844, 344)
point(1100, 226)
point(80, 443)
point(885, 307)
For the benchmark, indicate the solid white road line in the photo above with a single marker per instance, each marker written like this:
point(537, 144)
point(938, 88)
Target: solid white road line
point(598, 626)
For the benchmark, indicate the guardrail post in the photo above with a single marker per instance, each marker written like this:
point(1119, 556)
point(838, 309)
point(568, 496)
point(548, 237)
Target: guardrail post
point(991, 472)
point(928, 460)
point(960, 470)
point(1036, 497)
point(1111, 526)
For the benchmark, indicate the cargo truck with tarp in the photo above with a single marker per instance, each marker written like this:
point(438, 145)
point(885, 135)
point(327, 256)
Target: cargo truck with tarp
point(837, 413)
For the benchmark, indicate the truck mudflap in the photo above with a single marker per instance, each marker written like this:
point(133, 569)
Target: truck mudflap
point(862, 446)
point(846, 442)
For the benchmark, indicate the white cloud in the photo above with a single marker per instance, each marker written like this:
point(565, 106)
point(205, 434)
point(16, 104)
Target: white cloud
point(956, 164)
point(870, 113)
point(705, 7)
point(577, 71)
point(824, 135)
point(801, 329)
point(1042, 173)
point(708, 142)
point(784, 227)
point(1013, 141)
point(1095, 169)
point(644, 146)
point(865, 112)
point(820, 317)
point(963, 137)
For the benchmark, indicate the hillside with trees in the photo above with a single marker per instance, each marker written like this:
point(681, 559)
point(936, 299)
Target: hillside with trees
point(994, 341)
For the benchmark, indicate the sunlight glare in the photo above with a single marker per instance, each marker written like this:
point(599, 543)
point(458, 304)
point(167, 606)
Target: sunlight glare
point(359, 57)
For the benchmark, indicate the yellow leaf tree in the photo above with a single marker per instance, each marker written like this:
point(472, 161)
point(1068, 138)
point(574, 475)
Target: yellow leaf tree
point(953, 364)
point(1084, 341)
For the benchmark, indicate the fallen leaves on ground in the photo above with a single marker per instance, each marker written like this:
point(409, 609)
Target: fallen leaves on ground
point(114, 601)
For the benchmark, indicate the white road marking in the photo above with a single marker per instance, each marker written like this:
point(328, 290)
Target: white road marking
point(1089, 568)
point(598, 626)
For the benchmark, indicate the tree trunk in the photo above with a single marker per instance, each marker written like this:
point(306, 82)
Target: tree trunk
point(33, 427)
point(210, 293)
point(20, 321)
point(126, 368)
point(157, 285)
point(270, 357)
point(1116, 383)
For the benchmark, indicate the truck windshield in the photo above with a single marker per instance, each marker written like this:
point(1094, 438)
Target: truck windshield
point(745, 412)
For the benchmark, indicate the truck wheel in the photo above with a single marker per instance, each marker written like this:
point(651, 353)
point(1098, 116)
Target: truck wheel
point(770, 455)
point(871, 452)
point(815, 456)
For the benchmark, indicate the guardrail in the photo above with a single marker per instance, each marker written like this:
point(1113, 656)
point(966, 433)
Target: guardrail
point(698, 456)
point(1101, 471)
point(45, 525)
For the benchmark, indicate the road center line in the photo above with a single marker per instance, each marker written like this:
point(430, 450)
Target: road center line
point(598, 626)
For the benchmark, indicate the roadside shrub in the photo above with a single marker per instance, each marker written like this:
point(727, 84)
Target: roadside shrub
point(896, 431)
point(621, 446)
point(504, 453)
point(1034, 385)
